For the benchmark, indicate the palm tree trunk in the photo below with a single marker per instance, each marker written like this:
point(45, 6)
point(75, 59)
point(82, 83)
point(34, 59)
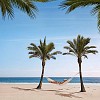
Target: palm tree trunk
point(40, 84)
point(81, 80)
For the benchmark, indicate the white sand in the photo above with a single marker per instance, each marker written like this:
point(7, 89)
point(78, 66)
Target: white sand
point(49, 92)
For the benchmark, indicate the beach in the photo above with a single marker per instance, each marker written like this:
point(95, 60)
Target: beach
point(69, 91)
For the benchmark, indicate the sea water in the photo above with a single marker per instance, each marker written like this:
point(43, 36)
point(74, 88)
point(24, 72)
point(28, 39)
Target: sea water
point(37, 79)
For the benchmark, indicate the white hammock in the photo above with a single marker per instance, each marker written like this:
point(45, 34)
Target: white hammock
point(60, 83)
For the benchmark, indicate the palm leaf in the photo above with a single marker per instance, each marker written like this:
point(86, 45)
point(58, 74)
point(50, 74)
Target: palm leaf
point(36, 48)
point(68, 53)
point(89, 47)
point(41, 44)
point(99, 19)
point(95, 9)
point(6, 7)
point(73, 4)
point(26, 6)
point(31, 56)
point(71, 50)
point(56, 52)
point(53, 57)
point(44, 41)
point(85, 56)
point(49, 47)
point(31, 53)
point(71, 44)
point(31, 48)
point(91, 51)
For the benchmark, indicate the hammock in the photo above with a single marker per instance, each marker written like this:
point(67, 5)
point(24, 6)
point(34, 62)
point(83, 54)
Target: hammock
point(60, 83)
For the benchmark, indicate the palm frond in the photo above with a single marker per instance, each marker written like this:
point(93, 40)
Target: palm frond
point(56, 52)
point(64, 53)
point(49, 47)
point(71, 44)
point(41, 44)
point(31, 56)
point(89, 47)
point(26, 6)
point(86, 41)
point(31, 53)
point(70, 49)
point(75, 41)
point(91, 51)
point(85, 56)
point(95, 9)
point(31, 48)
point(68, 53)
point(53, 57)
point(44, 41)
point(73, 4)
point(67, 47)
point(99, 19)
point(36, 48)
point(6, 8)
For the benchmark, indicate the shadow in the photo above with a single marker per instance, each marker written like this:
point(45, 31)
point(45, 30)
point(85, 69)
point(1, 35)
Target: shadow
point(70, 95)
point(49, 90)
point(57, 92)
point(33, 89)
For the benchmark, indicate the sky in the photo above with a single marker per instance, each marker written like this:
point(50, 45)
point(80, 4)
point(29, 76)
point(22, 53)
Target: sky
point(58, 27)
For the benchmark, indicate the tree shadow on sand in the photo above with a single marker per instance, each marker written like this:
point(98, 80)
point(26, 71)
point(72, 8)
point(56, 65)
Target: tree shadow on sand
point(60, 93)
point(57, 92)
point(25, 89)
point(70, 95)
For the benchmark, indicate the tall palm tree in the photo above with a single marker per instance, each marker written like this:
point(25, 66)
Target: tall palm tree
point(79, 48)
point(73, 4)
point(27, 6)
point(43, 52)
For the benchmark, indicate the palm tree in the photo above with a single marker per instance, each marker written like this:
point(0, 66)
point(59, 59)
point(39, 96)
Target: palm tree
point(27, 6)
point(79, 48)
point(43, 52)
point(73, 4)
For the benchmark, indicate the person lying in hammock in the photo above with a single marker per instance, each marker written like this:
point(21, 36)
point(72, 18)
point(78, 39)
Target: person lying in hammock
point(56, 82)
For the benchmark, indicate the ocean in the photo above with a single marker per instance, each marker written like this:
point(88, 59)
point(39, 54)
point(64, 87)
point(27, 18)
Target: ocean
point(37, 79)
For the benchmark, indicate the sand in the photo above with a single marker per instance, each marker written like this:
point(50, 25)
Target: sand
point(49, 92)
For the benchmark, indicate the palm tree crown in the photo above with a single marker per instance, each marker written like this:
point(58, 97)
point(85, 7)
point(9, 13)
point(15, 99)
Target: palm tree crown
point(73, 4)
point(43, 51)
point(27, 6)
point(78, 47)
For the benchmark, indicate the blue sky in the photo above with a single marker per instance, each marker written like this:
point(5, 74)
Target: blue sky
point(58, 27)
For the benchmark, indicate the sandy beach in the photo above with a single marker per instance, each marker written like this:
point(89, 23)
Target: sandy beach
point(49, 92)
